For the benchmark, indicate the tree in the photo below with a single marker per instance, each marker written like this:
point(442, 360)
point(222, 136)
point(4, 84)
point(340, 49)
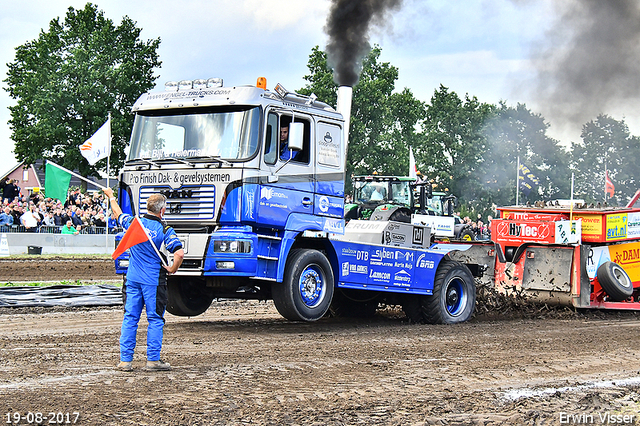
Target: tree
point(606, 145)
point(514, 133)
point(383, 123)
point(69, 79)
point(454, 147)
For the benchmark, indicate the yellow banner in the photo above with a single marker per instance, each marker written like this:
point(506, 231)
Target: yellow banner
point(591, 226)
point(627, 255)
point(616, 226)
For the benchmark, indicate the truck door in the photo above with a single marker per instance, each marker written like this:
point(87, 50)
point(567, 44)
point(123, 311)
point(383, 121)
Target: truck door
point(288, 186)
point(329, 184)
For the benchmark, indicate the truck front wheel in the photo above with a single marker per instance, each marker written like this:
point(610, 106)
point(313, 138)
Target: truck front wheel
point(307, 289)
point(187, 297)
point(453, 300)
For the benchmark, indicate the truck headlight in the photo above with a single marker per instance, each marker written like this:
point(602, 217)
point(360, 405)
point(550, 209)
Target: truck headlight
point(232, 246)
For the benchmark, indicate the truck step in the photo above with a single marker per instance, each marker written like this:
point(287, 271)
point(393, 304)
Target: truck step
point(270, 258)
point(269, 237)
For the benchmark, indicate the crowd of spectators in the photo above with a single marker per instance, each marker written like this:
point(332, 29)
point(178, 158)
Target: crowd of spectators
point(80, 213)
point(481, 230)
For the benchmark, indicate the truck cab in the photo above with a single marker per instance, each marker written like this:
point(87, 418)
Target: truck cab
point(246, 172)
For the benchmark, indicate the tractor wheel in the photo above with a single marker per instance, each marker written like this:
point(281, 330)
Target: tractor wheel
point(453, 300)
point(354, 303)
point(187, 297)
point(307, 289)
point(615, 281)
point(467, 235)
point(401, 216)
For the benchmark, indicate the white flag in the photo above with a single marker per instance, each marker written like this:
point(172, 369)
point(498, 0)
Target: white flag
point(98, 146)
point(412, 164)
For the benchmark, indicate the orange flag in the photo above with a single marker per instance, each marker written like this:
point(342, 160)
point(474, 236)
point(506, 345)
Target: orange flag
point(608, 185)
point(134, 235)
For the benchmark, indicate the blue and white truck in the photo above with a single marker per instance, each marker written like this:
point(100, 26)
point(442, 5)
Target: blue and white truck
point(254, 181)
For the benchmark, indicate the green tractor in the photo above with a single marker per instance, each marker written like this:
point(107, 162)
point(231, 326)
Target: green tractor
point(381, 198)
point(401, 198)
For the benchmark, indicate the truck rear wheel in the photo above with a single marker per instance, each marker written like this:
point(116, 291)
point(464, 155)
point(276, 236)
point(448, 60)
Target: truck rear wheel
point(453, 300)
point(187, 297)
point(615, 281)
point(307, 289)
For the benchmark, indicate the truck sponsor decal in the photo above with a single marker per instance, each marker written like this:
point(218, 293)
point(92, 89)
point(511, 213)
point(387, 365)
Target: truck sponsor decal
point(348, 251)
point(249, 201)
point(353, 268)
point(380, 276)
point(335, 226)
point(424, 263)
point(380, 255)
point(329, 145)
point(402, 278)
point(268, 194)
point(323, 205)
point(404, 256)
point(173, 178)
point(188, 94)
point(418, 235)
point(370, 265)
point(183, 153)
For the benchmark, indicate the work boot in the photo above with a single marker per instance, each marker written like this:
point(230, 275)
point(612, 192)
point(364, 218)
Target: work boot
point(125, 366)
point(158, 366)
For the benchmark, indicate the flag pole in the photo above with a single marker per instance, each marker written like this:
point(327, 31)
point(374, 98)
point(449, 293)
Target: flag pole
point(605, 176)
point(517, 179)
point(108, 215)
point(76, 175)
point(571, 208)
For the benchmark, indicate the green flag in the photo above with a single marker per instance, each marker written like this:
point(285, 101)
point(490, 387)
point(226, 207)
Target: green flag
point(56, 182)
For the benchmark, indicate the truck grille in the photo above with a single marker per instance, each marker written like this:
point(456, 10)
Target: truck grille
point(187, 202)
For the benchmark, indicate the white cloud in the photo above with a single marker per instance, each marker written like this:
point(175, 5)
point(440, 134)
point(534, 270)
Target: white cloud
point(478, 47)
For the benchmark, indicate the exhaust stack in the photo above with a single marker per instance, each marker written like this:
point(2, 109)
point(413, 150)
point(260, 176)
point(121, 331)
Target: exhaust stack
point(344, 107)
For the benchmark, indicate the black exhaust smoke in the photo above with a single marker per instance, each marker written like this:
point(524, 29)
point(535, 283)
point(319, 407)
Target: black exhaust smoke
point(590, 60)
point(348, 27)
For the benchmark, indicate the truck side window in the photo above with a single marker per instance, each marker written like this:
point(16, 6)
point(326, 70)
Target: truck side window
point(271, 140)
point(285, 153)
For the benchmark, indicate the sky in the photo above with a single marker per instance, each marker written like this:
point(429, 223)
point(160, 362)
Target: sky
point(492, 49)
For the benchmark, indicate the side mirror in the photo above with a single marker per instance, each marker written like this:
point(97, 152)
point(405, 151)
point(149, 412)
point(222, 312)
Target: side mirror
point(296, 136)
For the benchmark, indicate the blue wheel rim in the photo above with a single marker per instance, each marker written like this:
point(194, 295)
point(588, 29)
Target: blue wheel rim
point(311, 286)
point(455, 297)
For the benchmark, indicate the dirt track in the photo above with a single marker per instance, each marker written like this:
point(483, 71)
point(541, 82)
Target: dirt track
point(242, 364)
point(56, 269)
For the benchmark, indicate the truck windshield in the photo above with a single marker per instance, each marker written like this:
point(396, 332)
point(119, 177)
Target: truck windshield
point(370, 191)
point(435, 205)
point(223, 133)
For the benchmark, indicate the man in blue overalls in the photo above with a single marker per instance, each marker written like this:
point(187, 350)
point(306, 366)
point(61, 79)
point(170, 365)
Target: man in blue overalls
point(146, 283)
